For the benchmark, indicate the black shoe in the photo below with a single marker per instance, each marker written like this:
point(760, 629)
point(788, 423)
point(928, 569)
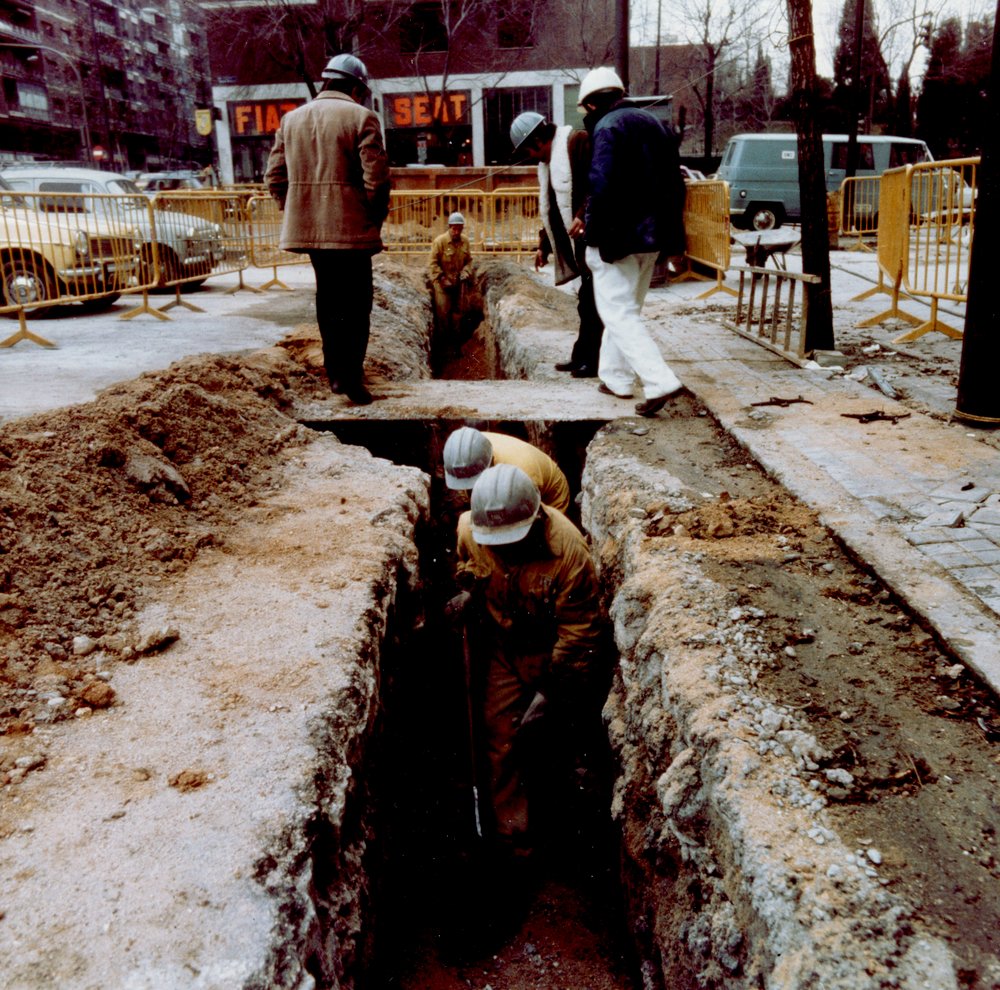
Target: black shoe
point(650, 407)
point(567, 366)
point(336, 388)
point(604, 388)
point(358, 394)
point(584, 371)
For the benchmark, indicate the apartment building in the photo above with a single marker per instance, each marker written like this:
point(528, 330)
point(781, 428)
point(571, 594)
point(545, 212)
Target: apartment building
point(116, 84)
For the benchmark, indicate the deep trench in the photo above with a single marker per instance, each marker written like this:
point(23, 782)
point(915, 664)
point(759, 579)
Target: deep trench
point(443, 906)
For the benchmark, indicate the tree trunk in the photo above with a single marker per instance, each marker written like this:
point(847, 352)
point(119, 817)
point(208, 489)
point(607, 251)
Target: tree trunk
point(812, 182)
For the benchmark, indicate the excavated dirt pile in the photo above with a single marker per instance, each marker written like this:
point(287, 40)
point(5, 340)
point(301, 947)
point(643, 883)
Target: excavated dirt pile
point(99, 502)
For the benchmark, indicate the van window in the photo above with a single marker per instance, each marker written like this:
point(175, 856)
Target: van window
point(907, 154)
point(838, 155)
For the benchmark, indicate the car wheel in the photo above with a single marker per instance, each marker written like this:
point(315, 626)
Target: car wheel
point(27, 281)
point(764, 218)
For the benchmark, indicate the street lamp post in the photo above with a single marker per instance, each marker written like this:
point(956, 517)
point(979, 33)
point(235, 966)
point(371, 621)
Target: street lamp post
point(84, 124)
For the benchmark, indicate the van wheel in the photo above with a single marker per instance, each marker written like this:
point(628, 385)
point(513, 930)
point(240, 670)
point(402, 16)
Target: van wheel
point(765, 217)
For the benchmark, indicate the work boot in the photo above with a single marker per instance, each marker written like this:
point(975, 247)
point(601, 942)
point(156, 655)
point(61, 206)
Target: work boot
point(358, 394)
point(567, 366)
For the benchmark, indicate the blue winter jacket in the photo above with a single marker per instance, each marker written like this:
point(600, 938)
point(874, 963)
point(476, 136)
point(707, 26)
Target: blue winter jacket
point(636, 202)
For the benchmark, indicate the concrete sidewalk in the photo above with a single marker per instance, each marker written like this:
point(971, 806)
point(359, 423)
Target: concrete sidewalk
point(918, 499)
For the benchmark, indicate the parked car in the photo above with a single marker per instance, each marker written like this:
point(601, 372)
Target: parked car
point(763, 171)
point(42, 257)
point(154, 182)
point(187, 245)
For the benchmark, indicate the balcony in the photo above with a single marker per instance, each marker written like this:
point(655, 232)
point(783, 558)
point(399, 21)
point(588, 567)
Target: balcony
point(12, 32)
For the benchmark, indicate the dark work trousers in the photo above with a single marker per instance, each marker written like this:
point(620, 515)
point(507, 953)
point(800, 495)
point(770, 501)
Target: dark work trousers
point(343, 311)
point(587, 348)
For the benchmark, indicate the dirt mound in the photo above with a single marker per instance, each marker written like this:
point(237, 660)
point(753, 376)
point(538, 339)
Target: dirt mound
point(101, 501)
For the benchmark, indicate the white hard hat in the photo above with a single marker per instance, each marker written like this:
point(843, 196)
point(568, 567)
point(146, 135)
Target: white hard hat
point(467, 454)
point(505, 502)
point(346, 66)
point(599, 80)
point(456, 218)
point(525, 124)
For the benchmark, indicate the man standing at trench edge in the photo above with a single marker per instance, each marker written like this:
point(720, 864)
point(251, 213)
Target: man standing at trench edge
point(634, 214)
point(329, 172)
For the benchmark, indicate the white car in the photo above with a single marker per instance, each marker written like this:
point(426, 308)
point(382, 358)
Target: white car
point(186, 245)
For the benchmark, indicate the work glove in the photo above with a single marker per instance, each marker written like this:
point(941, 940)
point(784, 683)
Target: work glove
point(456, 607)
point(534, 711)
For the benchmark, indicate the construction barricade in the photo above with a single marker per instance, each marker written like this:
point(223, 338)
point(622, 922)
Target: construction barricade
point(765, 309)
point(59, 248)
point(859, 197)
point(264, 226)
point(925, 233)
point(707, 230)
point(417, 216)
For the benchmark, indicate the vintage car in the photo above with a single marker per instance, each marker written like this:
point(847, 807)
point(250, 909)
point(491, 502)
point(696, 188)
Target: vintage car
point(175, 245)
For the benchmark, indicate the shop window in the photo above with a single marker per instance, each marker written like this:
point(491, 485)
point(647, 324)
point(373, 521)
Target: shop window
point(422, 29)
point(501, 107)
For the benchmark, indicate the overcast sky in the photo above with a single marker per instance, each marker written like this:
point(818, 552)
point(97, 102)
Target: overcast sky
point(770, 15)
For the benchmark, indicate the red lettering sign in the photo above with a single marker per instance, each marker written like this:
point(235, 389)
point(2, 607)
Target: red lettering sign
point(257, 118)
point(426, 109)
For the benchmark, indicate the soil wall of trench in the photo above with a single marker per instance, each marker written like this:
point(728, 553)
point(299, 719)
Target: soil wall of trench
point(198, 596)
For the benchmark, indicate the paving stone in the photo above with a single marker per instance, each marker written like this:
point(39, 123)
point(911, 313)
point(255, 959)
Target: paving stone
point(992, 533)
point(948, 519)
point(987, 556)
point(952, 491)
point(985, 517)
point(952, 559)
point(921, 536)
point(981, 576)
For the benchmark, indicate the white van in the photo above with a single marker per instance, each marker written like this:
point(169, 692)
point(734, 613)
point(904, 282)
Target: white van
point(763, 171)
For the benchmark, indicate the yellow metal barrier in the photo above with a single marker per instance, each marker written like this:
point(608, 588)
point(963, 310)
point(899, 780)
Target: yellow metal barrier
point(892, 246)
point(707, 229)
point(416, 217)
point(513, 223)
point(66, 247)
point(942, 223)
point(265, 233)
point(926, 223)
point(859, 198)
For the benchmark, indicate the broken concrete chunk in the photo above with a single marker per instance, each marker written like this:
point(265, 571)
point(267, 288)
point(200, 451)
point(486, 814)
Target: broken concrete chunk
point(156, 639)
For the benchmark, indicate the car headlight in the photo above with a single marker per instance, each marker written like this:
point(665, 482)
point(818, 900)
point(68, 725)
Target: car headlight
point(190, 233)
point(82, 244)
point(217, 229)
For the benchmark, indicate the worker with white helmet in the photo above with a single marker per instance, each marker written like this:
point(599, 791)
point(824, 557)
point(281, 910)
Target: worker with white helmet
point(469, 452)
point(540, 633)
point(329, 172)
point(450, 278)
point(634, 215)
point(563, 158)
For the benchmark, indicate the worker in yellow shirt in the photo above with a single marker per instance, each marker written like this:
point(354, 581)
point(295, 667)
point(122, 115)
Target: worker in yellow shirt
point(469, 452)
point(532, 608)
point(450, 276)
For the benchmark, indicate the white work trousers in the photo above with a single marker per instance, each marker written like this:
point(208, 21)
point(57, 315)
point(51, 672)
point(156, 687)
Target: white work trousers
point(628, 351)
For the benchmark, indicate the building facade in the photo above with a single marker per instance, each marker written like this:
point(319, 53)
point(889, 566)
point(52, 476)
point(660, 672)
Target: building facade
point(447, 79)
point(117, 84)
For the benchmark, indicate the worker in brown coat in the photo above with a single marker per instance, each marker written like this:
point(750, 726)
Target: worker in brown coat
point(329, 172)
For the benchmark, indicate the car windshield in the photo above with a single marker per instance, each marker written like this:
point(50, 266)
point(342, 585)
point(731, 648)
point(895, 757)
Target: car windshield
point(123, 186)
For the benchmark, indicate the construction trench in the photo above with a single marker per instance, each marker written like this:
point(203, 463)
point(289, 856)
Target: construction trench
point(277, 792)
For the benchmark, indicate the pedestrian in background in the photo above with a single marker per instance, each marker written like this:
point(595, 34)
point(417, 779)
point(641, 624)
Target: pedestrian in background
point(450, 276)
point(634, 214)
point(563, 157)
point(329, 172)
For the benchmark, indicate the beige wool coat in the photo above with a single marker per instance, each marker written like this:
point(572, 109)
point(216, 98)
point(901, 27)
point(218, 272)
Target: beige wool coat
point(329, 172)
